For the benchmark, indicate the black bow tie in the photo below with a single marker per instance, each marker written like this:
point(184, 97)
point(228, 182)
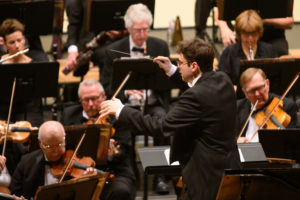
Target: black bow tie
point(138, 49)
point(46, 162)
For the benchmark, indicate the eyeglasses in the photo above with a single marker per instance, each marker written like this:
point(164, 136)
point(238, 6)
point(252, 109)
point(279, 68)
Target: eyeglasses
point(140, 30)
point(48, 147)
point(259, 89)
point(88, 99)
point(179, 63)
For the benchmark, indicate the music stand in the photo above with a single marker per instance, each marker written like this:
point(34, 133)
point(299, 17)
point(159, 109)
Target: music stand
point(280, 72)
point(267, 184)
point(37, 16)
point(283, 143)
point(113, 12)
point(75, 189)
point(282, 8)
point(145, 74)
point(33, 80)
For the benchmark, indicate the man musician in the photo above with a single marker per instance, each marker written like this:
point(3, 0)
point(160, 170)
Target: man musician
point(256, 87)
point(91, 94)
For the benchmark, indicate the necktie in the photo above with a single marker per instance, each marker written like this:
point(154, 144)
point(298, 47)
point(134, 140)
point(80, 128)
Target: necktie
point(141, 50)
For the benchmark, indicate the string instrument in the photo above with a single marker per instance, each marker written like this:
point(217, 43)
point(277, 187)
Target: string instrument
point(78, 165)
point(279, 118)
point(275, 106)
point(18, 132)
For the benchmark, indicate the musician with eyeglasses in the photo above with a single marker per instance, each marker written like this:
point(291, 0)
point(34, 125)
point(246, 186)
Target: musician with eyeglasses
point(138, 20)
point(249, 29)
point(256, 87)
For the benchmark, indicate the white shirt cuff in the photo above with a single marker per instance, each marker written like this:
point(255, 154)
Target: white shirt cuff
point(72, 48)
point(119, 111)
point(171, 71)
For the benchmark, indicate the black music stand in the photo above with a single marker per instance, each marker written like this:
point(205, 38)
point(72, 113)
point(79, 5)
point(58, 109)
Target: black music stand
point(265, 8)
point(267, 184)
point(37, 16)
point(33, 80)
point(284, 143)
point(280, 72)
point(113, 12)
point(76, 189)
point(154, 162)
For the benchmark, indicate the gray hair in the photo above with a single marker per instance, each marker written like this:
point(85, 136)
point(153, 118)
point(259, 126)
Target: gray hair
point(90, 82)
point(137, 13)
point(53, 127)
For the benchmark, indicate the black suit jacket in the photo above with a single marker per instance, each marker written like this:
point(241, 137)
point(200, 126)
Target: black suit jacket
point(29, 174)
point(155, 47)
point(120, 165)
point(202, 124)
point(244, 108)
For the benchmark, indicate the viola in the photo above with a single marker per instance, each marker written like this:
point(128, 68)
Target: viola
point(78, 165)
point(18, 132)
point(278, 119)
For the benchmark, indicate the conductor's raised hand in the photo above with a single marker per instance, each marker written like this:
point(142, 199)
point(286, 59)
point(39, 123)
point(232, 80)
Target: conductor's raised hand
point(110, 107)
point(163, 62)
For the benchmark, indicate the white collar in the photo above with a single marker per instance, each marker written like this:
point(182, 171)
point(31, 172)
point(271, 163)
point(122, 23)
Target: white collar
point(132, 44)
point(191, 84)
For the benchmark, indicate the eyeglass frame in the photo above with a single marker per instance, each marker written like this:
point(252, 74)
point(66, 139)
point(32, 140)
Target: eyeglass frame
point(48, 147)
point(179, 63)
point(140, 30)
point(87, 100)
point(260, 89)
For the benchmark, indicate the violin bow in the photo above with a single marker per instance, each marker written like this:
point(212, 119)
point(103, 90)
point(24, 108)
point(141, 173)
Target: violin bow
point(9, 115)
point(118, 90)
point(70, 161)
point(245, 124)
point(277, 104)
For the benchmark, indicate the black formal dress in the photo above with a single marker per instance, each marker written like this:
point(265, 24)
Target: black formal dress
point(244, 108)
point(231, 56)
point(124, 185)
point(202, 126)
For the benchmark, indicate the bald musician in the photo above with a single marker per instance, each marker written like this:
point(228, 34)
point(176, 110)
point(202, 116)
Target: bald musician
point(34, 169)
point(256, 86)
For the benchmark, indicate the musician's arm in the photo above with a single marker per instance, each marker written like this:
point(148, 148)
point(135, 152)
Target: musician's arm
point(282, 23)
point(290, 107)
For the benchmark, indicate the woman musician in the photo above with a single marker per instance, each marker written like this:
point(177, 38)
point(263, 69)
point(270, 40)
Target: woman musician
point(91, 94)
point(249, 29)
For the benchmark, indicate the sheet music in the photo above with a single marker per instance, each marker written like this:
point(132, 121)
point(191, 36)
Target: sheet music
point(167, 155)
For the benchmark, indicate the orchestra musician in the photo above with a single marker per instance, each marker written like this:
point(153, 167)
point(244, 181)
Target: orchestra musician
point(256, 86)
point(91, 95)
point(138, 19)
point(202, 122)
point(34, 169)
point(249, 29)
point(23, 109)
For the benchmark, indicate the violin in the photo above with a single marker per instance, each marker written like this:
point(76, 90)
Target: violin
point(18, 132)
point(78, 165)
point(279, 118)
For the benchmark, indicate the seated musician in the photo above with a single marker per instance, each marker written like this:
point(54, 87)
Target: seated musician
point(34, 169)
point(12, 32)
point(256, 86)
point(91, 95)
point(249, 29)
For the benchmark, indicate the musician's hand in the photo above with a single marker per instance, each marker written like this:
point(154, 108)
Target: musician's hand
point(243, 140)
point(110, 107)
point(137, 94)
point(18, 198)
point(113, 34)
point(2, 162)
point(163, 62)
point(71, 61)
point(227, 35)
point(90, 171)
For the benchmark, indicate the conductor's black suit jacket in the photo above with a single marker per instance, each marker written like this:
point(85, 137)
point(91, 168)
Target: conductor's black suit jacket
point(202, 124)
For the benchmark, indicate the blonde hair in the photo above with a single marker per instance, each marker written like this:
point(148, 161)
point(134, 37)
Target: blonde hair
point(249, 73)
point(248, 21)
